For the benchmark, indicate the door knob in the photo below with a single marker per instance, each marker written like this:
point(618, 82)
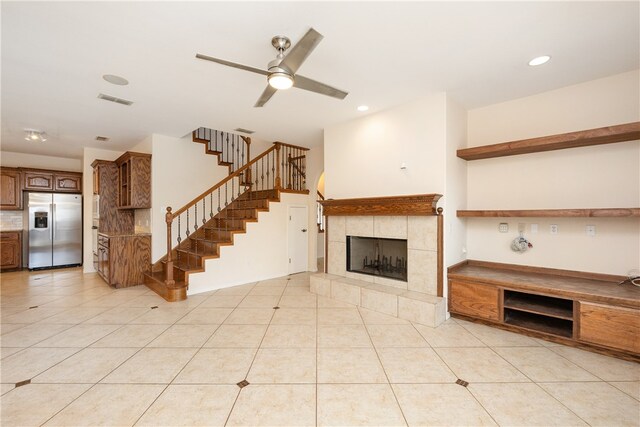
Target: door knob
point(304, 230)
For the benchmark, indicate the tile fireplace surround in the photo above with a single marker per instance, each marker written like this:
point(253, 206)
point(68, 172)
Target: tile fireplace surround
point(413, 218)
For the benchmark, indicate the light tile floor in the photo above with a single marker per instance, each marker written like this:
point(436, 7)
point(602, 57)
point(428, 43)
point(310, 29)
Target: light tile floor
point(100, 356)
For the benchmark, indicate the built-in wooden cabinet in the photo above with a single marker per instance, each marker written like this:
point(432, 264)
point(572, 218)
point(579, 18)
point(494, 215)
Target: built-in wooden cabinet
point(134, 180)
point(616, 327)
point(10, 189)
point(67, 182)
point(112, 219)
point(123, 259)
point(575, 308)
point(38, 180)
point(10, 250)
point(49, 180)
point(473, 299)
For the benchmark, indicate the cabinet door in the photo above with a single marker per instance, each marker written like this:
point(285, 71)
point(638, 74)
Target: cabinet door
point(68, 183)
point(10, 189)
point(103, 262)
point(616, 327)
point(38, 181)
point(475, 300)
point(10, 250)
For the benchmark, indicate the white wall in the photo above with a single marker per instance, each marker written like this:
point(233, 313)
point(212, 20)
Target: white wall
point(89, 155)
point(10, 159)
point(589, 177)
point(455, 195)
point(363, 156)
point(315, 167)
point(259, 254)
point(180, 171)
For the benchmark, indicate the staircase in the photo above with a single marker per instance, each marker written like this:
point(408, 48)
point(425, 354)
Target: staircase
point(198, 231)
point(233, 150)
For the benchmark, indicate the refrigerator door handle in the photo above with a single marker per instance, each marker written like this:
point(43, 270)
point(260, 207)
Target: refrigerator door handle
point(52, 208)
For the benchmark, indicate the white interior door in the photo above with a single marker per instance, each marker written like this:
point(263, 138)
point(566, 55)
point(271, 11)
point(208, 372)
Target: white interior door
point(298, 232)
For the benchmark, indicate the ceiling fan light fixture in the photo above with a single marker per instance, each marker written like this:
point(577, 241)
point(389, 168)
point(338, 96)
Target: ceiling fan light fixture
point(279, 80)
point(539, 60)
point(34, 135)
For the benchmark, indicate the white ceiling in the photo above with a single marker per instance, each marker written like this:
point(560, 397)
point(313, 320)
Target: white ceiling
point(384, 53)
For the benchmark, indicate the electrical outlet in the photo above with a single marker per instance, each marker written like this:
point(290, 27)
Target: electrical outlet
point(534, 228)
point(503, 227)
point(553, 229)
point(590, 230)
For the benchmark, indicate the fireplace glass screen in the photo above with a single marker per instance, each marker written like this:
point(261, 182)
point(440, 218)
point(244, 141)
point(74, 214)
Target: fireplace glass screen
point(377, 257)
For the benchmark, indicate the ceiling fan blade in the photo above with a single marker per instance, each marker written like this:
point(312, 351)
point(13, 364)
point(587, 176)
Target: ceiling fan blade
point(299, 53)
point(232, 64)
point(305, 83)
point(266, 95)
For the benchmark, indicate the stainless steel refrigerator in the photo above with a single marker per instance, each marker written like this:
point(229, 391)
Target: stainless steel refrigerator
point(55, 230)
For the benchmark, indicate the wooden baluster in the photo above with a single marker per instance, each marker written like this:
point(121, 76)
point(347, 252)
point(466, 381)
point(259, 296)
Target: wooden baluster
point(169, 272)
point(278, 180)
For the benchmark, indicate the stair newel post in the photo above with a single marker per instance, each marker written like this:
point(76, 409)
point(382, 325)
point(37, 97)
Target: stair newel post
point(169, 273)
point(278, 182)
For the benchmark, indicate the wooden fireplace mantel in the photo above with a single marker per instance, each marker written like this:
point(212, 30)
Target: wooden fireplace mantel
point(419, 204)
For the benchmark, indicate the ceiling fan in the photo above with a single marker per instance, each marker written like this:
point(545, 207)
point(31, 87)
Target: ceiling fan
point(281, 72)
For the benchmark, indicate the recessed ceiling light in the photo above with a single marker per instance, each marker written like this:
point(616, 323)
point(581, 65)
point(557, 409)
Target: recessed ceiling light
point(116, 80)
point(539, 60)
point(363, 108)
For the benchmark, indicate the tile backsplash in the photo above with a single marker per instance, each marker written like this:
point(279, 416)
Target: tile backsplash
point(10, 220)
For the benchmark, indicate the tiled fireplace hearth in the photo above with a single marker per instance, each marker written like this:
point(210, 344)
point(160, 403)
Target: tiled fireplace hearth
point(405, 223)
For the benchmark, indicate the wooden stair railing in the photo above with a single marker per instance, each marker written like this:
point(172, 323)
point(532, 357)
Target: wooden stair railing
point(233, 150)
point(196, 231)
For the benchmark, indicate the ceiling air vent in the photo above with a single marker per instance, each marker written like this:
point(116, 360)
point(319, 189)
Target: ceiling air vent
point(102, 138)
point(114, 99)
point(243, 130)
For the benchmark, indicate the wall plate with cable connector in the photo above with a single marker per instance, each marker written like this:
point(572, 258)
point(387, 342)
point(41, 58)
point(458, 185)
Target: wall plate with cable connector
point(503, 227)
point(590, 230)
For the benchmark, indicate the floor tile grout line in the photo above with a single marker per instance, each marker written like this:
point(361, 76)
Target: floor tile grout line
point(532, 382)
point(385, 371)
point(257, 350)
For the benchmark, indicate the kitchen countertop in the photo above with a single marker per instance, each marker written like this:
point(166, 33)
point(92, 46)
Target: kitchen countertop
point(120, 234)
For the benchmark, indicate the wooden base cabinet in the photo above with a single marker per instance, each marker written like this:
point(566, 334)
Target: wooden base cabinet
point(474, 299)
point(574, 308)
point(10, 250)
point(616, 327)
point(123, 259)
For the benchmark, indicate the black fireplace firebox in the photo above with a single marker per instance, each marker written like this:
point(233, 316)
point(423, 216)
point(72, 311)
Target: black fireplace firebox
point(377, 257)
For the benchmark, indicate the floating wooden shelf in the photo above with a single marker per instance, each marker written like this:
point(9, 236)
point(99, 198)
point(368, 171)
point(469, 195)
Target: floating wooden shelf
point(603, 135)
point(540, 213)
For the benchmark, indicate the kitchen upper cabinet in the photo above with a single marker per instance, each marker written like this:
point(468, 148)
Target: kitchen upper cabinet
point(50, 180)
point(67, 182)
point(10, 189)
point(35, 180)
point(134, 180)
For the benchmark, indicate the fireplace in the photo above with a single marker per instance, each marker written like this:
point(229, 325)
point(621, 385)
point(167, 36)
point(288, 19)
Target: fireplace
point(377, 257)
